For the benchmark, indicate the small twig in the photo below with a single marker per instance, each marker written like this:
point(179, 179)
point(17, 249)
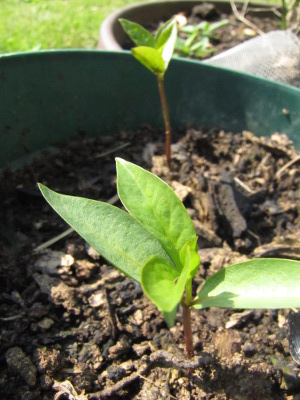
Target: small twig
point(109, 392)
point(286, 166)
point(167, 386)
point(62, 235)
point(154, 384)
point(112, 317)
point(165, 359)
point(255, 236)
point(108, 152)
point(243, 185)
point(241, 18)
point(113, 390)
point(245, 6)
point(50, 242)
point(12, 318)
point(160, 358)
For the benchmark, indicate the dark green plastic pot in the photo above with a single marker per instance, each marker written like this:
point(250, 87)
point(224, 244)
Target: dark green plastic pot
point(48, 97)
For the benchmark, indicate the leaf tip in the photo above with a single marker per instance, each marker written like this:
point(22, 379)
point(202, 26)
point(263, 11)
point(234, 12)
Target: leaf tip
point(120, 162)
point(42, 187)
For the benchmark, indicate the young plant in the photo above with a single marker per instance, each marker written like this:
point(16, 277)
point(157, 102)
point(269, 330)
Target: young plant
point(155, 244)
point(197, 39)
point(155, 52)
point(290, 13)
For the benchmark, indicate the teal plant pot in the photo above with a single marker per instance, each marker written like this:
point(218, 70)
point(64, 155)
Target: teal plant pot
point(48, 97)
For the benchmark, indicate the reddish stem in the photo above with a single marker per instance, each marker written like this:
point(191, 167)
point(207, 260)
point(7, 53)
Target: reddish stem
point(187, 330)
point(164, 104)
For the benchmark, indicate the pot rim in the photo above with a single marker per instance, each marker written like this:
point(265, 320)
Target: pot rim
point(111, 35)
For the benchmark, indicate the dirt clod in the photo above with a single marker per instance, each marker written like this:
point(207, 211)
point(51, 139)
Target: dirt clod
point(20, 365)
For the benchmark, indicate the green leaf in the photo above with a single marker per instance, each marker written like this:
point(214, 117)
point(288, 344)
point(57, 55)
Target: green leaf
point(118, 237)
point(155, 205)
point(189, 41)
point(164, 286)
point(150, 58)
point(138, 34)
point(165, 40)
point(258, 283)
point(180, 46)
point(217, 25)
point(189, 255)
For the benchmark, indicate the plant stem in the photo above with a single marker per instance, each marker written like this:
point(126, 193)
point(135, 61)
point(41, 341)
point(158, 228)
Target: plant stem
point(163, 100)
point(188, 292)
point(187, 329)
point(284, 12)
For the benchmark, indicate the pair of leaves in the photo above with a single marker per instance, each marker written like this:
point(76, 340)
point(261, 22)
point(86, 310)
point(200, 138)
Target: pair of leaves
point(155, 243)
point(156, 246)
point(154, 52)
point(154, 204)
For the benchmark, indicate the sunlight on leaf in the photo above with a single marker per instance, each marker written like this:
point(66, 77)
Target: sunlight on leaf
point(138, 34)
point(164, 286)
point(155, 205)
point(117, 236)
point(258, 283)
point(165, 40)
point(150, 58)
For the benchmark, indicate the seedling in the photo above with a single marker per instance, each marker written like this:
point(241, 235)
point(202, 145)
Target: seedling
point(197, 41)
point(155, 52)
point(155, 244)
point(289, 12)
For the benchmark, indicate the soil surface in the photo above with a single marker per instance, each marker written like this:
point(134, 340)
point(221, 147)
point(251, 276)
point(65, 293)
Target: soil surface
point(73, 327)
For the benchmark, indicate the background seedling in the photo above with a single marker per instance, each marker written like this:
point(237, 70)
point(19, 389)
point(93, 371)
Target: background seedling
point(290, 13)
point(155, 244)
point(155, 52)
point(197, 40)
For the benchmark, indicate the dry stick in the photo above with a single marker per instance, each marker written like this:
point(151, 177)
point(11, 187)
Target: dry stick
point(286, 166)
point(245, 6)
point(160, 358)
point(110, 151)
point(113, 390)
point(243, 185)
point(112, 317)
point(163, 100)
point(163, 358)
point(167, 394)
point(241, 18)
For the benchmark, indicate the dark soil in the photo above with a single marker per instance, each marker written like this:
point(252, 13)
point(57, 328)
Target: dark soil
point(73, 325)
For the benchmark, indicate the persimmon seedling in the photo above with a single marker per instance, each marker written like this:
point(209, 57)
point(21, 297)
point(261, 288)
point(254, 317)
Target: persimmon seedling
point(155, 52)
point(155, 244)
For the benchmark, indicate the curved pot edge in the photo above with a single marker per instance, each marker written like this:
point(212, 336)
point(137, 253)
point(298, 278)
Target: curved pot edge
point(89, 73)
point(111, 35)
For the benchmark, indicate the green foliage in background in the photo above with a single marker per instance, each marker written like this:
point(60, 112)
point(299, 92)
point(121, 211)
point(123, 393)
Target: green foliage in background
point(50, 24)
